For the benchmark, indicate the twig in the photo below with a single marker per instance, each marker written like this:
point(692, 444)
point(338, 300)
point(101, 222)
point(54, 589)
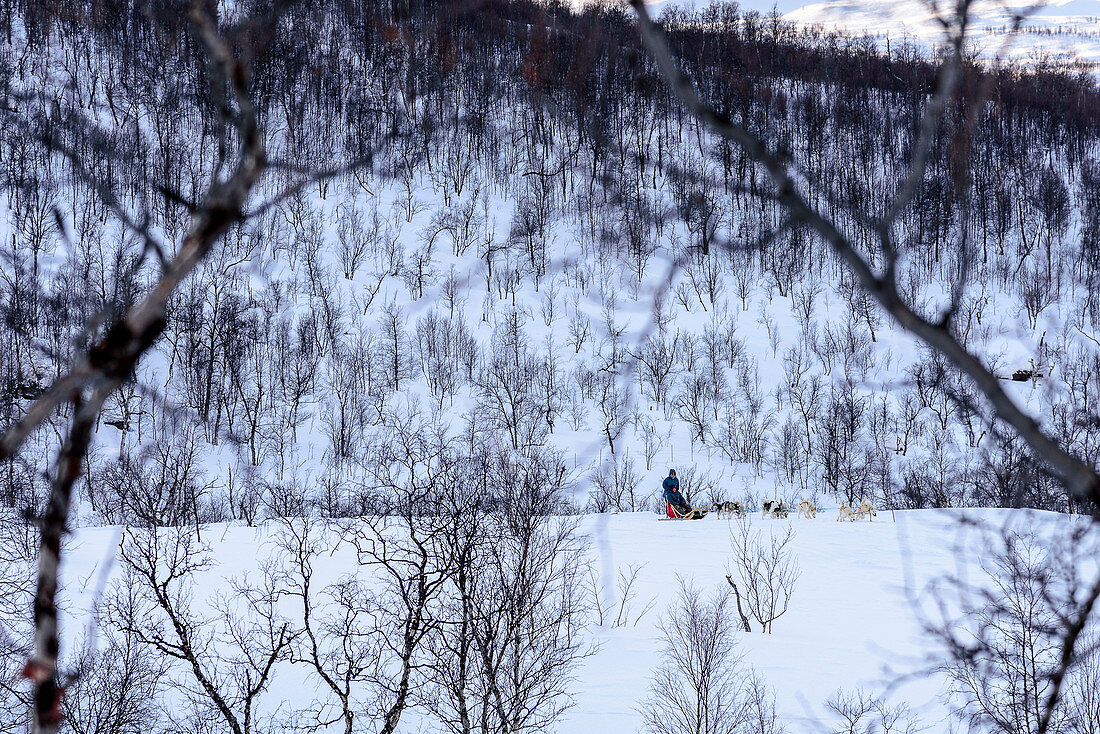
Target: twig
point(1069, 641)
point(112, 360)
point(737, 598)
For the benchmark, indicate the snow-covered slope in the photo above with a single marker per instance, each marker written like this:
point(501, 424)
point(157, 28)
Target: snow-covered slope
point(855, 620)
point(1066, 31)
point(560, 284)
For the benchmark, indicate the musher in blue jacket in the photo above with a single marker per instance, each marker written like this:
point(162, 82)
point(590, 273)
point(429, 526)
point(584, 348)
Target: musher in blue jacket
point(672, 493)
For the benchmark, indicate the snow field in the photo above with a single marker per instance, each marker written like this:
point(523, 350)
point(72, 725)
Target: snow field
point(855, 619)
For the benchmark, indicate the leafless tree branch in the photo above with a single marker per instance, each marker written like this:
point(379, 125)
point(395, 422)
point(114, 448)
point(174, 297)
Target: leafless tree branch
point(1070, 635)
point(111, 361)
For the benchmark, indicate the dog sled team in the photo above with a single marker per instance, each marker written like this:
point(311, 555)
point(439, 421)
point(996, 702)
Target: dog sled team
point(678, 508)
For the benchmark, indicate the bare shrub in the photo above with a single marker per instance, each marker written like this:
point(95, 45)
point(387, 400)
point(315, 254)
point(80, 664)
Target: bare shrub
point(1008, 662)
point(701, 686)
point(223, 653)
point(698, 687)
point(760, 709)
point(859, 712)
point(115, 690)
point(615, 486)
point(615, 610)
point(528, 614)
point(18, 540)
point(1082, 699)
point(766, 570)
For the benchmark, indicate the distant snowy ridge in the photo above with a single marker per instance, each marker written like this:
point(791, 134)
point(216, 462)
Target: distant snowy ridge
point(1071, 39)
point(1066, 32)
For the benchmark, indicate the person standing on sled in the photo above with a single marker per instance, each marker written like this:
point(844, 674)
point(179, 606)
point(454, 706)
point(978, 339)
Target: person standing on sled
point(672, 493)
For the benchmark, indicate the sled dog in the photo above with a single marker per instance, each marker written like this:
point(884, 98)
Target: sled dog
point(774, 508)
point(730, 509)
point(807, 509)
point(846, 512)
point(865, 510)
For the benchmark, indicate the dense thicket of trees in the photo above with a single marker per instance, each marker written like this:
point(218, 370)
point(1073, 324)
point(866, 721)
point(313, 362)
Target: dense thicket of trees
point(562, 113)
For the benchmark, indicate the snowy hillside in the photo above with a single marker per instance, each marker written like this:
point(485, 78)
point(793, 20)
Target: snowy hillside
point(855, 623)
point(1062, 31)
point(493, 284)
point(1065, 31)
point(582, 291)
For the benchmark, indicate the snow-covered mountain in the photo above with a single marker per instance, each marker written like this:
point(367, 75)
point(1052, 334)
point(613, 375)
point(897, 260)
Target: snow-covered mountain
point(1065, 31)
point(1062, 31)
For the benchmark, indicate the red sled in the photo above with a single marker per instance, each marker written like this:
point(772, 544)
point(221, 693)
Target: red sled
point(674, 514)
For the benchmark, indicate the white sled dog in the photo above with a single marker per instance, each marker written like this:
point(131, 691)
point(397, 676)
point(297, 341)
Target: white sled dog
point(807, 509)
point(865, 510)
point(774, 508)
point(730, 509)
point(846, 512)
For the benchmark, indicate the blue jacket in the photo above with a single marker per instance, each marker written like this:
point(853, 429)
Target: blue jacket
point(674, 498)
point(672, 492)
